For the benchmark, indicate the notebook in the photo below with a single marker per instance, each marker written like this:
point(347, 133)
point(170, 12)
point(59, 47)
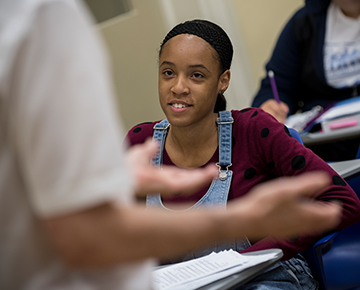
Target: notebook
point(224, 270)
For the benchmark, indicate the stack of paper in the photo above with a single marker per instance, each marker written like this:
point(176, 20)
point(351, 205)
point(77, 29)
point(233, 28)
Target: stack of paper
point(345, 115)
point(341, 115)
point(342, 109)
point(202, 271)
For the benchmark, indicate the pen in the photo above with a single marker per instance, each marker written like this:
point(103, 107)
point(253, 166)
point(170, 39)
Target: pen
point(273, 86)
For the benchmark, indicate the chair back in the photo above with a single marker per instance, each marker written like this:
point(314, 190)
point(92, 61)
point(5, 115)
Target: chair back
point(296, 135)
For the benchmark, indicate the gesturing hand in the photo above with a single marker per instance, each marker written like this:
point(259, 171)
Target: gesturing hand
point(165, 180)
point(285, 208)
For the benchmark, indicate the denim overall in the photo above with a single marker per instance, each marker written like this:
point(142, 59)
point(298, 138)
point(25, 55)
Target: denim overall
point(217, 194)
point(293, 274)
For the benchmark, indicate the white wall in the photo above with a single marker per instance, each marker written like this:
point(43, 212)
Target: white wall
point(133, 40)
point(260, 23)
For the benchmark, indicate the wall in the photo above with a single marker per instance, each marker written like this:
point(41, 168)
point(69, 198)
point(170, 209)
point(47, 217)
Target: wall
point(260, 23)
point(133, 40)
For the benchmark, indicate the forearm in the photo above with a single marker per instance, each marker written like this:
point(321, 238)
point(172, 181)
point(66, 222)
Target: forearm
point(107, 235)
point(347, 198)
point(298, 243)
point(161, 234)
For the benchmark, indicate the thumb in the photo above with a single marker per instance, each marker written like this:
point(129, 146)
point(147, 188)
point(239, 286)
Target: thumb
point(284, 107)
point(150, 148)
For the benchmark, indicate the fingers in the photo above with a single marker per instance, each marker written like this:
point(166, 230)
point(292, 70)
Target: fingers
point(284, 107)
point(171, 180)
point(167, 180)
point(320, 217)
point(143, 152)
point(139, 156)
point(286, 207)
point(314, 216)
point(307, 185)
point(278, 111)
point(150, 147)
point(181, 181)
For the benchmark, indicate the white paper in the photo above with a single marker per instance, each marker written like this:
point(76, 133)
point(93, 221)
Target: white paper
point(198, 272)
point(341, 111)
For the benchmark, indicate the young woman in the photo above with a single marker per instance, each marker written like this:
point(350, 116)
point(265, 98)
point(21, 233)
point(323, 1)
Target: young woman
point(249, 146)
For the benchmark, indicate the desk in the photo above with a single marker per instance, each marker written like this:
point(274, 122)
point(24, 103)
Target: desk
point(347, 169)
point(317, 138)
point(341, 114)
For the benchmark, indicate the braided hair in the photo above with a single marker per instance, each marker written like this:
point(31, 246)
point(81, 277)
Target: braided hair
point(216, 37)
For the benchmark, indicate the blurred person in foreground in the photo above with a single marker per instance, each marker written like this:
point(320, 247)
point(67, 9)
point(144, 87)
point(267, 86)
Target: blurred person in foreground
point(67, 215)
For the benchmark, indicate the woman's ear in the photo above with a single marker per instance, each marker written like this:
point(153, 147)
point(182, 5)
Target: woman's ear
point(224, 81)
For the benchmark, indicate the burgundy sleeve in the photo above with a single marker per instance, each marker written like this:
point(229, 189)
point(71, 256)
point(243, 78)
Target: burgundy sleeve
point(139, 133)
point(273, 144)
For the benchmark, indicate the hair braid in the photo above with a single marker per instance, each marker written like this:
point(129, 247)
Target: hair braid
point(211, 33)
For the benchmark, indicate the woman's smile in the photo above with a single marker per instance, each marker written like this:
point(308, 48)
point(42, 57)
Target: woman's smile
point(179, 106)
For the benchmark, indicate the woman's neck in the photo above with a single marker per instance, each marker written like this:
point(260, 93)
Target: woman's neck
point(351, 13)
point(349, 8)
point(192, 146)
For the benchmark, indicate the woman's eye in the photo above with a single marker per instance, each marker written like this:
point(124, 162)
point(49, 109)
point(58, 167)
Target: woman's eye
point(197, 76)
point(168, 73)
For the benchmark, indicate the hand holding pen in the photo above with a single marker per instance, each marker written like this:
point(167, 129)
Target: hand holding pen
point(275, 107)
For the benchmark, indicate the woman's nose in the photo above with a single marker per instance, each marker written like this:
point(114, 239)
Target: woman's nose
point(180, 86)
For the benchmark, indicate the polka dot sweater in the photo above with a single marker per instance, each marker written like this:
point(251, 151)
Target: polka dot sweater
point(263, 149)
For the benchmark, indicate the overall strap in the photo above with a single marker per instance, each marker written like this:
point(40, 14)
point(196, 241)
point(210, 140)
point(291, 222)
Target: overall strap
point(160, 132)
point(224, 122)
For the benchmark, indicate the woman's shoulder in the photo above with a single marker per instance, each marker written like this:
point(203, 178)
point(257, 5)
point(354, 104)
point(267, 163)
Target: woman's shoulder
point(251, 119)
point(251, 114)
point(140, 132)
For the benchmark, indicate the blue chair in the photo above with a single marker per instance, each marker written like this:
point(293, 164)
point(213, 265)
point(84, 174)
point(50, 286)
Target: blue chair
point(296, 135)
point(335, 259)
point(358, 154)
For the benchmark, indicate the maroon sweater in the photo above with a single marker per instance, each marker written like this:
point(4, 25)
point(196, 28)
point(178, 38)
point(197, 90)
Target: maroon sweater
point(263, 150)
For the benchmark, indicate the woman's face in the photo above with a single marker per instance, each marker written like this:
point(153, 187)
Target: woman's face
point(189, 80)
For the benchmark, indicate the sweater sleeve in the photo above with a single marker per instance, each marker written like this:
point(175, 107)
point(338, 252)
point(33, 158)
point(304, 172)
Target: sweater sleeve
point(272, 143)
point(139, 133)
point(284, 62)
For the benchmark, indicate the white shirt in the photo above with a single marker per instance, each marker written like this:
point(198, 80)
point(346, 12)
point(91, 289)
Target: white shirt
point(60, 142)
point(341, 49)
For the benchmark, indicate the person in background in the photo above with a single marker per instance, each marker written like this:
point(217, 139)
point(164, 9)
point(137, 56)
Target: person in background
point(316, 61)
point(249, 146)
